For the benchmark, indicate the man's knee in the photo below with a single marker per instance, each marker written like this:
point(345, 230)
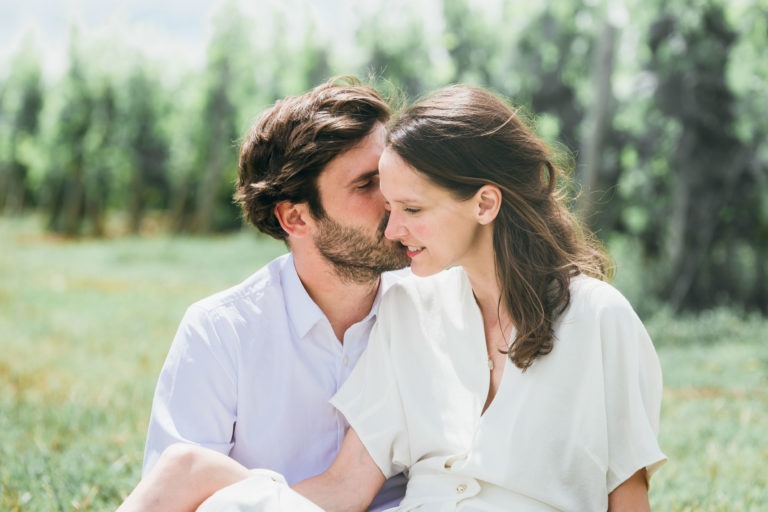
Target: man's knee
point(183, 457)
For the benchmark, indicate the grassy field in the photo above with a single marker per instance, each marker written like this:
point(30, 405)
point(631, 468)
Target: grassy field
point(85, 326)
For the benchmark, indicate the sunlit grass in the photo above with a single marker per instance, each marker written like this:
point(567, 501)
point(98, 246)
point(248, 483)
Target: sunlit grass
point(714, 424)
point(85, 326)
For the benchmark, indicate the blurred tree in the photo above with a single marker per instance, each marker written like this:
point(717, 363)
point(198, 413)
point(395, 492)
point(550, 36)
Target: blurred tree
point(82, 149)
point(20, 107)
point(147, 146)
point(747, 76)
point(470, 43)
point(597, 176)
point(273, 79)
point(565, 59)
point(397, 50)
point(64, 192)
point(203, 195)
point(101, 156)
point(310, 62)
point(552, 60)
point(713, 192)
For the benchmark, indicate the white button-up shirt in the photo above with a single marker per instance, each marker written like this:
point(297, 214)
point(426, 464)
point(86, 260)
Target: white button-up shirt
point(559, 436)
point(250, 374)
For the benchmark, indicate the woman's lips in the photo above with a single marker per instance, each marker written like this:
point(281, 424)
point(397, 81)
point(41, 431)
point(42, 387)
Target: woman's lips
point(413, 250)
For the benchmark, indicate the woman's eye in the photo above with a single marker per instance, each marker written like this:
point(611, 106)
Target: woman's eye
point(411, 210)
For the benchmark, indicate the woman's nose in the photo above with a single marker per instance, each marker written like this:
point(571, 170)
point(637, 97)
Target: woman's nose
point(394, 228)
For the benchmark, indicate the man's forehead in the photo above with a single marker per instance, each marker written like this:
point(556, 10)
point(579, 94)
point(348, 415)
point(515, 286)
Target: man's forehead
point(348, 177)
point(359, 161)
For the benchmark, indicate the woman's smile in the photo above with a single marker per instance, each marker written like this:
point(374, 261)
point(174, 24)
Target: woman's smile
point(412, 251)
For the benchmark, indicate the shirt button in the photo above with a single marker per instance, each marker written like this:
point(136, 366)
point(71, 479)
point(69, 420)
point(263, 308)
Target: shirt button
point(345, 361)
point(461, 488)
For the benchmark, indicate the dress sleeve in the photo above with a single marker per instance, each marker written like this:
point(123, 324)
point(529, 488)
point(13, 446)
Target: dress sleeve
point(633, 388)
point(371, 402)
point(195, 396)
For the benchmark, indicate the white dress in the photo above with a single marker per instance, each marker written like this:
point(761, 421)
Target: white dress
point(559, 436)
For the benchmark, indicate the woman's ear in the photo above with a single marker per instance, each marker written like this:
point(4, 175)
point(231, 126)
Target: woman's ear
point(488, 200)
point(293, 218)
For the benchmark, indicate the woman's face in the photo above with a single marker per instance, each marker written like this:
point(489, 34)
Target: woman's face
point(437, 230)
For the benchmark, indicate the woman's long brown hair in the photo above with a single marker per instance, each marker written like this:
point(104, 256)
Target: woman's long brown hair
point(462, 138)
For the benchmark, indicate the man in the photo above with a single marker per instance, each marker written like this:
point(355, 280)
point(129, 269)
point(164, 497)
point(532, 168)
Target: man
point(251, 369)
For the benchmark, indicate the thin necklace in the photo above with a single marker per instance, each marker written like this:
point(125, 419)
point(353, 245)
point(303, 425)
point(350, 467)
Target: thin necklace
point(490, 360)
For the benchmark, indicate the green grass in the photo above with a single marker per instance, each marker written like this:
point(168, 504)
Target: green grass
point(85, 326)
point(84, 329)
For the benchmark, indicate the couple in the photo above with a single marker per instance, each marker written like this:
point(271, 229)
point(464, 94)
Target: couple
point(504, 375)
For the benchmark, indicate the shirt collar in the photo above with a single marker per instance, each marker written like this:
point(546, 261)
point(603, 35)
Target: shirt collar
point(302, 310)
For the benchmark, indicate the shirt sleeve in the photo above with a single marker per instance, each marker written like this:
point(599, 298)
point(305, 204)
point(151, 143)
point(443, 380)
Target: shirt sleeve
point(195, 396)
point(633, 389)
point(371, 402)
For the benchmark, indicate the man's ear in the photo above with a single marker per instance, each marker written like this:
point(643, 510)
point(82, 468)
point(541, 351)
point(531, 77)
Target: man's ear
point(488, 200)
point(293, 218)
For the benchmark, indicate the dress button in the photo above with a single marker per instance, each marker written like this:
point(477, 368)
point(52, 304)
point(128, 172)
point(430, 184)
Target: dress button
point(461, 488)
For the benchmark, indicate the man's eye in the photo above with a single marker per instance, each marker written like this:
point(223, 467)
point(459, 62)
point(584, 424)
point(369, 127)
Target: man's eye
point(411, 210)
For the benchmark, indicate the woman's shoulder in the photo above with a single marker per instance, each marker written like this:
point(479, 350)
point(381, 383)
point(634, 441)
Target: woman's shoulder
point(449, 279)
point(591, 295)
point(446, 288)
point(599, 316)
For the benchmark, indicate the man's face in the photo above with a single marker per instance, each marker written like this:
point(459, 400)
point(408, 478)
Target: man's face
point(351, 235)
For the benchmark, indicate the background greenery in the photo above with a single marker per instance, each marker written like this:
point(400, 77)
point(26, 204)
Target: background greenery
point(660, 103)
point(116, 213)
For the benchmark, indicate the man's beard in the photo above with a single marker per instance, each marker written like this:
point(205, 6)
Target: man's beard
point(355, 255)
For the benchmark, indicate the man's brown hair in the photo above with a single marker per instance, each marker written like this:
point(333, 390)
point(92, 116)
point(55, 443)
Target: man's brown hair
point(291, 143)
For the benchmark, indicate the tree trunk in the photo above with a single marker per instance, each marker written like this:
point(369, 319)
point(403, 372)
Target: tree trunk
point(72, 207)
point(208, 192)
point(598, 122)
point(136, 201)
point(13, 187)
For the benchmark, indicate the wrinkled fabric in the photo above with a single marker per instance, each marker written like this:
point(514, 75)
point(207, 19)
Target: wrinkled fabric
point(250, 373)
point(265, 491)
point(559, 436)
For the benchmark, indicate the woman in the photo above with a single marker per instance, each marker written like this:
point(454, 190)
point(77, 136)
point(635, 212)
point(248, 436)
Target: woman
point(514, 380)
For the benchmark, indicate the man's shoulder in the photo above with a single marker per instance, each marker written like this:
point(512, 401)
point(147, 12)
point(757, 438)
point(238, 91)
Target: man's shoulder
point(263, 285)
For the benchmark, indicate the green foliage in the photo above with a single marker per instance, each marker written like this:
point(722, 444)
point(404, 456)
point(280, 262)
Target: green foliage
point(21, 100)
point(682, 153)
point(397, 49)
